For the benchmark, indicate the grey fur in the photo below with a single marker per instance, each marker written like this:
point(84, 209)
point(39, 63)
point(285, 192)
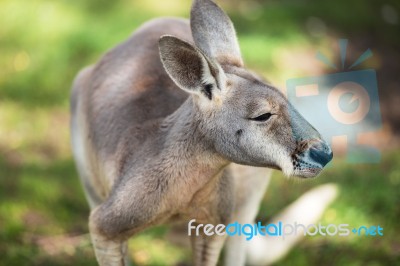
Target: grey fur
point(148, 152)
point(213, 32)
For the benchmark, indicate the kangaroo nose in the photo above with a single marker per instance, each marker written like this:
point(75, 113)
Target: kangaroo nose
point(321, 153)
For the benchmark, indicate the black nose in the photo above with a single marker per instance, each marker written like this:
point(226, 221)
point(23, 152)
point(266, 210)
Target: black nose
point(321, 154)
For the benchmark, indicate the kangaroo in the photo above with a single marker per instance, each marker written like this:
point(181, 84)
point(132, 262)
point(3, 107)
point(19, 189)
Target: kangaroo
point(170, 126)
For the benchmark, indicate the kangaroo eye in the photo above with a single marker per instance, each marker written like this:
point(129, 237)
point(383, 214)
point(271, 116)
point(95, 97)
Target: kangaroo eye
point(262, 118)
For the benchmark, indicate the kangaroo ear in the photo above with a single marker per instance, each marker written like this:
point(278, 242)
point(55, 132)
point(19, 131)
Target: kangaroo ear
point(213, 32)
point(188, 67)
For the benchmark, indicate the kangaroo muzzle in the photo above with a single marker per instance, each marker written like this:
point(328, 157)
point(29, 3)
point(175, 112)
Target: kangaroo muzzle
point(320, 153)
point(313, 159)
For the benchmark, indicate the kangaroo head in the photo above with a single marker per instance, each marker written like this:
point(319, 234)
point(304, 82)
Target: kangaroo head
point(247, 120)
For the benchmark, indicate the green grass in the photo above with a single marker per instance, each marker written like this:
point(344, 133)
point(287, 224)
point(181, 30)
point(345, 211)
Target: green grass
point(43, 44)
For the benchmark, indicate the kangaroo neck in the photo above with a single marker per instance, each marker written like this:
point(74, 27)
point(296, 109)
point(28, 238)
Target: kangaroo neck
point(186, 142)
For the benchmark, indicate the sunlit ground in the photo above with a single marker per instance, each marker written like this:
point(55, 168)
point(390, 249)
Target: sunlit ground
point(43, 213)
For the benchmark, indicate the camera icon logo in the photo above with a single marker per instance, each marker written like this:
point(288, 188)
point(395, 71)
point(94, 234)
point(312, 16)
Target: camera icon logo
point(342, 105)
point(359, 95)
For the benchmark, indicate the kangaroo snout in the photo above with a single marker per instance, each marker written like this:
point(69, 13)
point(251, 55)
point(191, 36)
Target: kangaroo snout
point(320, 153)
point(312, 158)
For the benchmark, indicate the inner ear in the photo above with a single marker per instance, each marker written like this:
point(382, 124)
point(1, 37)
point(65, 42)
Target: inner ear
point(188, 67)
point(207, 90)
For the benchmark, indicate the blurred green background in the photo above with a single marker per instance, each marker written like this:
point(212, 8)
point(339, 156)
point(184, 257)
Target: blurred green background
point(43, 44)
